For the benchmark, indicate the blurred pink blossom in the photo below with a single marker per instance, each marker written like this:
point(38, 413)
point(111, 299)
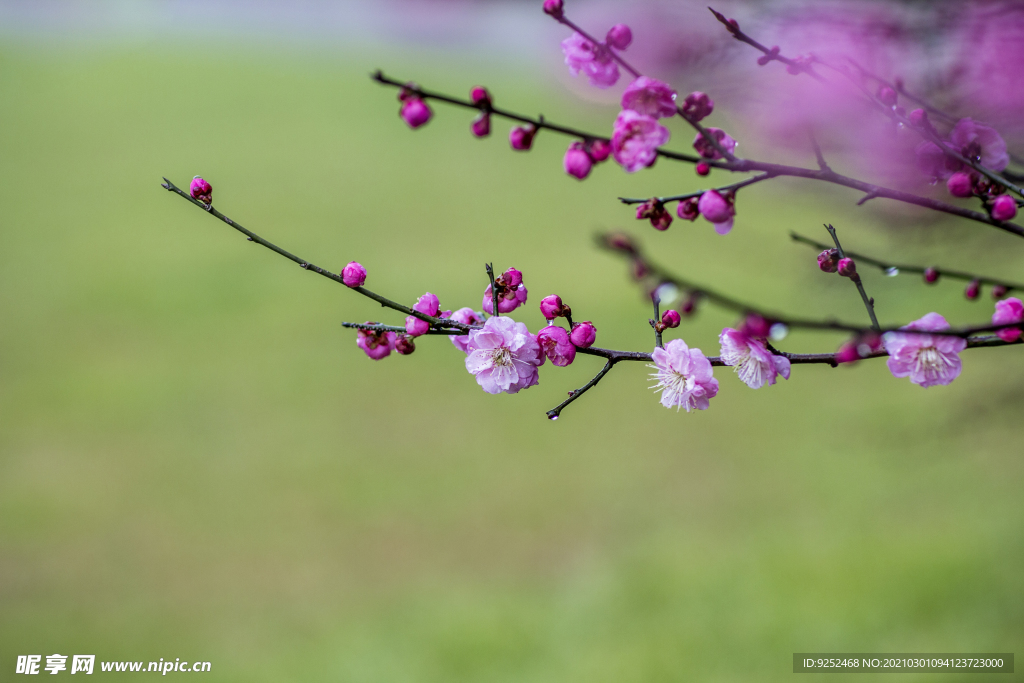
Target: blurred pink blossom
point(635, 138)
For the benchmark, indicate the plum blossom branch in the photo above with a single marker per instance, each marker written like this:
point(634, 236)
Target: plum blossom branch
point(691, 195)
point(573, 395)
point(627, 247)
point(306, 265)
point(869, 303)
point(380, 327)
point(931, 273)
point(770, 55)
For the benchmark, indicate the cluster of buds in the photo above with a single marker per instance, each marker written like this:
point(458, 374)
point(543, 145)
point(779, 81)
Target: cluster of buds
point(414, 111)
point(427, 304)
point(830, 262)
point(481, 125)
point(654, 211)
point(582, 155)
point(973, 290)
point(708, 150)
point(511, 293)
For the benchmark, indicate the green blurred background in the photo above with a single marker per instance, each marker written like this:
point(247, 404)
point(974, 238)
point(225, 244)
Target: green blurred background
point(196, 461)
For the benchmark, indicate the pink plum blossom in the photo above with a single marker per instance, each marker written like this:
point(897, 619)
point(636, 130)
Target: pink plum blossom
point(504, 356)
point(353, 275)
point(635, 139)
point(577, 162)
point(980, 143)
point(718, 210)
point(427, 305)
point(650, 97)
point(466, 316)
point(697, 106)
point(755, 365)
point(512, 300)
point(375, 343)
point(593, 60)
point(707, 150)
point(1008, 311)
point(683, 376)
point(554, 341)
point(928, 360)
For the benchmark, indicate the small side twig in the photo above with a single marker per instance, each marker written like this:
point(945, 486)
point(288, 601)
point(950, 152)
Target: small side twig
point(869, 303)
point(573, 395)
point(494, 288)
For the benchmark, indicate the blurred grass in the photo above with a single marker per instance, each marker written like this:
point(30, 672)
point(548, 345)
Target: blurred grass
point(197, 462)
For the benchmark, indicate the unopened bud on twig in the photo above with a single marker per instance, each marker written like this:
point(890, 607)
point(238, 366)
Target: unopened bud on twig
point(931, 276)
point(577, 162)
point(887, 96)
point(201, 190)
point(353, 275)
point(847, 268)
point(521, 137)
point(654, 211)
point(619, 36)
point(1004, 207)
point(404, 345)
point(973, 290)
point(828, 260)
point(960, 184)
point(551, 307)
point(670, 318)
point(583, 334)
point(999, 291)
point(553, 8)
point(599, 150)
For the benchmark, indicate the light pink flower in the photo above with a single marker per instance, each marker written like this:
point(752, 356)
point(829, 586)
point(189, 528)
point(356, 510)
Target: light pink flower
point(981, 143)
point(718, 210)
point(512, 300)
point(635, 138)
point(504, 356)
point(707, 150)
point(376, 344)
point(427, 305)
point(593, 60)
point(755, 365)
point(1008, 311)
point(466, 316)
point(684, 376)
point(554, 342)
point(926, 359)
point(650, 97)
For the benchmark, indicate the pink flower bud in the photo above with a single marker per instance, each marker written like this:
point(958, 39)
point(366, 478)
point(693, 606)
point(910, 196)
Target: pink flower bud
point(715, 207)
point(687, 209)
point(621, 242)
point(577, 162)
point(480, 96)
point(1004, 208)
point(697, 106)
point(690, 304)
point(554, 342)
point(551, 307)
point(919, 117)
point(1008, 311)
point(707, 150)
point(512, 278)
point(702, 169)
point(404, 345)
point(973, 290)
point(619, 36)
point(846, 267)
point(375, 344)
point(931, 276)
point(828, 261)
point(353, 275)
point(999, 291)
point(599, 150)
point(201, 190)
point(670, 318)
point(521, 137)
point(583, 334)
point(960, 184)
point(415, 112)
point(655, 211)
point(887, 96)
point(553, 8)
point(847, 353)
point(756, 325)
point(508, 299)
point(481, 125)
